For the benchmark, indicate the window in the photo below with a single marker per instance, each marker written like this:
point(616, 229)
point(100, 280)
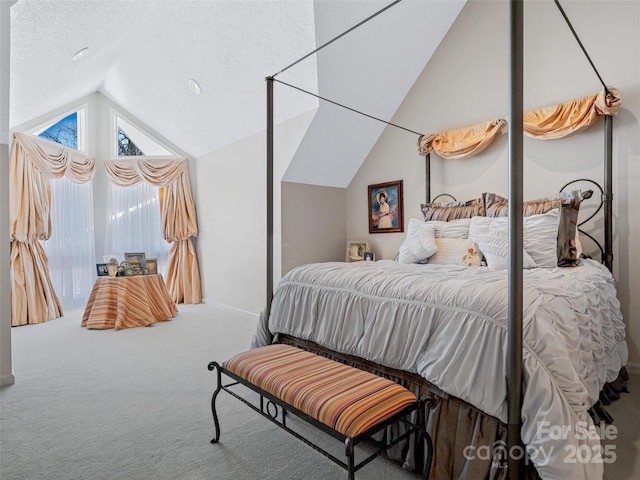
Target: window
point(70, 250)
point(129, 140)
point(67, 129)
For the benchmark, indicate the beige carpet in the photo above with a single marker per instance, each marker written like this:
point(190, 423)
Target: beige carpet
point(134, 404)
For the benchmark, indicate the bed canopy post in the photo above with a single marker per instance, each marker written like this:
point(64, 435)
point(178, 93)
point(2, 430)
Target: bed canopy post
point(608, 195)
point(269, 191)
point(427, 177)
point(515, 456)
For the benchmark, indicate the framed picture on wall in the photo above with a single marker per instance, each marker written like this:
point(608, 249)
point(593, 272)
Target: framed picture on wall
point(385, 207)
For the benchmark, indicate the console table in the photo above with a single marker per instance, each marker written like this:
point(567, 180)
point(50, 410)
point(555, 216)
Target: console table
point(126, 302)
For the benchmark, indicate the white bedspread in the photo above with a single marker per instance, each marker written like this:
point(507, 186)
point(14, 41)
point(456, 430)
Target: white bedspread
point(449, 325)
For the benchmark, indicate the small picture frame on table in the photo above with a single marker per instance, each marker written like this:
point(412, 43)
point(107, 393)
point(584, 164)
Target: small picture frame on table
point(151, 265)
point(369, 257)
point(101, 270)
point(135, 258)
point(355, 250)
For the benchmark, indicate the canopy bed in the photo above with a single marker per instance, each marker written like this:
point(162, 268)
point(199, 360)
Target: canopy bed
point(535, 314)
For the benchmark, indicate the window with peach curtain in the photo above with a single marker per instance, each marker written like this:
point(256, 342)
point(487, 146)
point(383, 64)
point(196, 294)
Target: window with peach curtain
point(32, 165)
point(177, 214)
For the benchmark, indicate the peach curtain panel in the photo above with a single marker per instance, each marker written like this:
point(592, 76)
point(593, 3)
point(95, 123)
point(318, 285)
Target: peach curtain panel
point(557, 121)
point(177, 214)
point(463, 142)
point(32, 165)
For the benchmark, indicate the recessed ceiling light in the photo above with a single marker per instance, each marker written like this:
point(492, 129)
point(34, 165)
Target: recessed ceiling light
point(80, 53)
point(195, 86)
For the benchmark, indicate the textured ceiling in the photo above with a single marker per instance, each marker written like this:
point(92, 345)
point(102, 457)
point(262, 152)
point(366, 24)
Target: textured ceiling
point(142, 54)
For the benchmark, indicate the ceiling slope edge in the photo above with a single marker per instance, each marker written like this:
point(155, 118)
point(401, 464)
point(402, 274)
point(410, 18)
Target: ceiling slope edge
point(370, 70)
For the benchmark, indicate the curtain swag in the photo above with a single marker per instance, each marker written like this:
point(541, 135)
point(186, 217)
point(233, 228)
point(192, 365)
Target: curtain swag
point(463, 142)
point(555, 121)
point(558, 121)
point(177, 214)
point(32, 165)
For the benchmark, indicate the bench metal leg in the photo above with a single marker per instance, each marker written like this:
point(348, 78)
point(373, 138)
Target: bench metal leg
point(212, 366)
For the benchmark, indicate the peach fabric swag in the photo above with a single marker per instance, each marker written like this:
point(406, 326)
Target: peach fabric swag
point(32, 165)
point(177, 214)
point(462, 142)
point(557, 121)
point(554, 121)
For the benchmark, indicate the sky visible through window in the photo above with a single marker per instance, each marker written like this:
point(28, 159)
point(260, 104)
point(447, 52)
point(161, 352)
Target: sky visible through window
point(125, 146)
point(64, 132)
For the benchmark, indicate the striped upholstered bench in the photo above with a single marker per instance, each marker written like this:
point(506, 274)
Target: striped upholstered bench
point(347, 403)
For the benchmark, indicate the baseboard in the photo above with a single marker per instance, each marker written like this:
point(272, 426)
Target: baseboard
point(7, 380)
point(633, 368)
point(230, 308)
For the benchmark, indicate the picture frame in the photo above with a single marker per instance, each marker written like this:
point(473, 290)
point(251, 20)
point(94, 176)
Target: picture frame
point(151, 264)
point(355, 250)
point(135, 258)
point(386, 208)
point(101, 270)
point(369, 257)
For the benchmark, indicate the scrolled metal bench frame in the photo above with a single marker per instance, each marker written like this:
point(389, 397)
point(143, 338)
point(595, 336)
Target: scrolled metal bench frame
point(272, 402)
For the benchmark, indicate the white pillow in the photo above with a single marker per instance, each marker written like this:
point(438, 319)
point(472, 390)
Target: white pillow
point(479, 226)
point(456, 251)
point(453, 229)
point(420, 242)
point(495, 248)
point(540, 236)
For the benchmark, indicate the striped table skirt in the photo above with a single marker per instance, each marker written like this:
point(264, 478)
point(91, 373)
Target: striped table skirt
point(126, 302)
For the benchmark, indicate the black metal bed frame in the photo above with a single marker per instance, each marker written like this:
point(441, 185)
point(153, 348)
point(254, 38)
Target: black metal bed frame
point(272, 407)
point(516, 173)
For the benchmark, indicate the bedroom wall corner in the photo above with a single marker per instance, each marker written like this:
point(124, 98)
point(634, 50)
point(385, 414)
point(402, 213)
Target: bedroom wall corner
point(314, 220)
point(230, 200)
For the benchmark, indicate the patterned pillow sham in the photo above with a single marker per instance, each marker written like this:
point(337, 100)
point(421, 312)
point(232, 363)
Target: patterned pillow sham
point(569, 205)
point(452, 210)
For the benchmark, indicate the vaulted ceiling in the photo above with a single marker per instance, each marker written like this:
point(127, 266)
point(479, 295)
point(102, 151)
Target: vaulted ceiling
point(142, 53)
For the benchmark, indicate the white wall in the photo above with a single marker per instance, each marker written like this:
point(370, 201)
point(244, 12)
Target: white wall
point(231, 209)
point(6, 367)
point(466, 82)
point(314, 222)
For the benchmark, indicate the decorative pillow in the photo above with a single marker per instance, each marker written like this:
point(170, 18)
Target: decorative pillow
point(495, 248)
point(452, 210)
point(479, 226)
point(540, 234)
point(569, 205)
point(453, 229)
point(456, 251)
point(419, 243)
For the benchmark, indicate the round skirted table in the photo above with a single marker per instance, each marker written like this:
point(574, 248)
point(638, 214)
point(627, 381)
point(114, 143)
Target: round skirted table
point(126, 302)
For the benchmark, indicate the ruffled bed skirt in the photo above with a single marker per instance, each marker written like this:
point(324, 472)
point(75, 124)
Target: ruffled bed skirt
point(467, 442)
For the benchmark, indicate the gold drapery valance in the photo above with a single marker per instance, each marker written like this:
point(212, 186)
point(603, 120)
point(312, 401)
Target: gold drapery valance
point(555, 121)
point(463, 142)
point(177, 214)
point(32, 165)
